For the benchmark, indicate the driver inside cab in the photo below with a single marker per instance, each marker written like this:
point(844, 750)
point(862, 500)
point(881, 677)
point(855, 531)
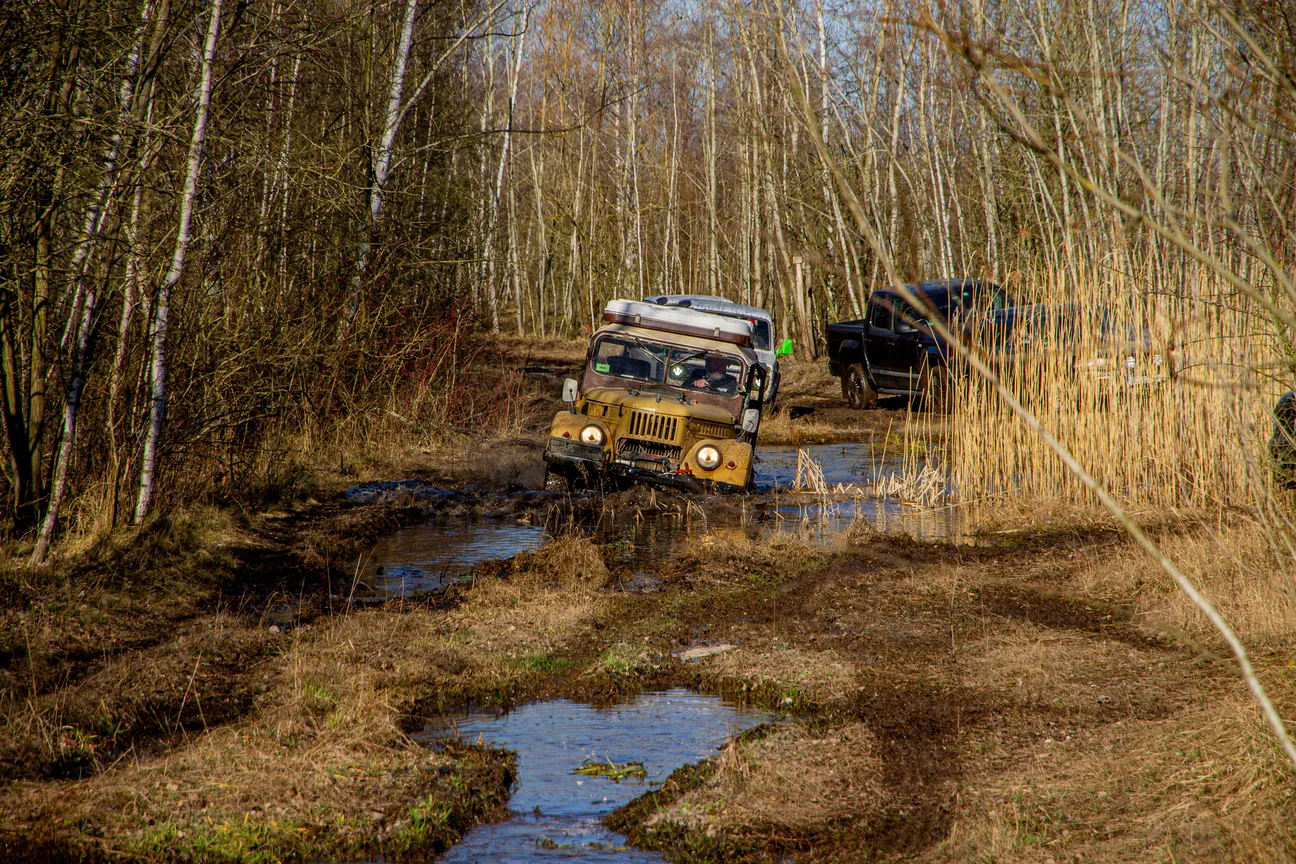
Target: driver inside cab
point(715, 377)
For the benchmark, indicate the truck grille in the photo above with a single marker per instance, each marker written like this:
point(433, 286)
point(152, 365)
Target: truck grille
point(649, 455)
point(659, 426)
point(703, 429)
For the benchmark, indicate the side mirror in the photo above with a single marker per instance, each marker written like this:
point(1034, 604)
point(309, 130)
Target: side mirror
point(569, 393)
point(751, 420)
point(784, 348)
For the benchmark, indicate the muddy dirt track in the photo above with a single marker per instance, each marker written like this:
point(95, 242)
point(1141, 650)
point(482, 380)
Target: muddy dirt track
point(225, 691)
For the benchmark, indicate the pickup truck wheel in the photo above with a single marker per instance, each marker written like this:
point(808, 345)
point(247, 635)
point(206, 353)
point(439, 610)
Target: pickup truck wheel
point(856, 389)
point(935, 390)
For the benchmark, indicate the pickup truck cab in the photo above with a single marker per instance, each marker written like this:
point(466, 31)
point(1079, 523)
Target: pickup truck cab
point(669, 396)
point(894, 349)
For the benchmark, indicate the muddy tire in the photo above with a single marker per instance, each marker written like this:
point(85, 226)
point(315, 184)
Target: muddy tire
point(555, 481)
point(856, 389)
point(566, 481)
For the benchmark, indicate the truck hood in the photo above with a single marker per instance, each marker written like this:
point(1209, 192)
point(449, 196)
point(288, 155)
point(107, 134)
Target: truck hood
point(668, 405)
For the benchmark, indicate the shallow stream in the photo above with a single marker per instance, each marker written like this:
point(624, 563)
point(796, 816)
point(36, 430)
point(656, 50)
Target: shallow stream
point(424, 557)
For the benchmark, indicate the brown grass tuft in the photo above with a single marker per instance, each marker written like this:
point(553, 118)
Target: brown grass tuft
point(1206, 785)
point(793, 677)
point(1242, 568)
point(323, 767)
point(569, 562)
point(791, 780)
point(1027, 515)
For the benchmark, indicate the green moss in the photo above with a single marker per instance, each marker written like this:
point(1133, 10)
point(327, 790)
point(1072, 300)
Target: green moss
point(614, 771)
point(625, 660)
point(253, 842)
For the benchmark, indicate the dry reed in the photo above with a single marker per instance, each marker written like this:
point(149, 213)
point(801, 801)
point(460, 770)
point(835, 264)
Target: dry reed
point(1184, 427)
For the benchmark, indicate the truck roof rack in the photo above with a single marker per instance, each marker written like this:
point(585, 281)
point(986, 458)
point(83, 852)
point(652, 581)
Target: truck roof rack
point(676, 319)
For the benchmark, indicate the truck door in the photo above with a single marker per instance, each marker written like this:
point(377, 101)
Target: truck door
point(879, 342)
point(908, 352)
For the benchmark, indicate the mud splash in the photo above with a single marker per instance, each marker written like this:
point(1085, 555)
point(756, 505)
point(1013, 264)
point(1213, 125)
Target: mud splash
point(646, 537)
point(559, 813)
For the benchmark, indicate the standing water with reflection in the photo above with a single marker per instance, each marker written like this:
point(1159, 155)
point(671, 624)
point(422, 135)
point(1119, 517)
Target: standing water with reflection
point(559, 813)
point(426, 557)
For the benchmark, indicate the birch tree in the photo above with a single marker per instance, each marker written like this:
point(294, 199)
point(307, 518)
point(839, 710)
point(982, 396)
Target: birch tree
point(161, 323)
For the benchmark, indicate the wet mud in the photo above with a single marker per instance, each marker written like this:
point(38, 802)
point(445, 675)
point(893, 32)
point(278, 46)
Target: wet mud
point(836, 606)
point(643, 530)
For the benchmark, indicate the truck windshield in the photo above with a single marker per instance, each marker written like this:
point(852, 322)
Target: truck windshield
point(653, 363)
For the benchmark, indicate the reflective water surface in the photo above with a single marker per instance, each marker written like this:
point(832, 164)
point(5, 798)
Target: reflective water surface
point(559, 813)
point(424, 557)
point(640, 539)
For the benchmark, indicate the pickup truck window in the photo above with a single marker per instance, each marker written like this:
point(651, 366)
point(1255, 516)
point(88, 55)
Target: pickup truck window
point(906, 318)
point(880, 313)
point(980, 299)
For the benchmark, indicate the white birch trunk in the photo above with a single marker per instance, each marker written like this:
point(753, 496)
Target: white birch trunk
point(98, 211)
point(81, 316)
point(157, 408)
point(713, 217)
point(492, 221)
point(382, 159)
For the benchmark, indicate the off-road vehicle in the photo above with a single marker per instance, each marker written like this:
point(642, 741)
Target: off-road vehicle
point(669, 396)
point(894, 349)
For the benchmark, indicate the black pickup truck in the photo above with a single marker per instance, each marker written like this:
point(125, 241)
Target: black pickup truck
point(894, 349)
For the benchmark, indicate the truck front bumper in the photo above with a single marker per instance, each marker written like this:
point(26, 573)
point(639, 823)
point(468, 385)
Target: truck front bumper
point(589, 461)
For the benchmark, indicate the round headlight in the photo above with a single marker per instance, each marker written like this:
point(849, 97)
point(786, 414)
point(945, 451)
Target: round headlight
point(593, 435)
point(708, 457)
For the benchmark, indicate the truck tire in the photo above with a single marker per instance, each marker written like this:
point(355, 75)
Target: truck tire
point(934, 389)
point(856, 389)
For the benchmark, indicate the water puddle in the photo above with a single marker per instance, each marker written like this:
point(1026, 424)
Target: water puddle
point(643, 539)
point(847, 464)
point(559, 813)
point(856, 486)
point(425, 557)
point(852, 468)
point(640, 540)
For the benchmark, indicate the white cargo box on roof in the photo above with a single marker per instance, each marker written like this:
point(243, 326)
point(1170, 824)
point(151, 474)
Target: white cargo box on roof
point(675, 319)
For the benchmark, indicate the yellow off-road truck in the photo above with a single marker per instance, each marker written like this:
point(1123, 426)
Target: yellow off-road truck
point(668, 396)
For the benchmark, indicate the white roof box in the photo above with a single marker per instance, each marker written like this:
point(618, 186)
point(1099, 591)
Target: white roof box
point(674, 319)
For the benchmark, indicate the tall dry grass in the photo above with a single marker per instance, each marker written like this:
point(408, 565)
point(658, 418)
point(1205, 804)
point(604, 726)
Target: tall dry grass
point(1189, 429)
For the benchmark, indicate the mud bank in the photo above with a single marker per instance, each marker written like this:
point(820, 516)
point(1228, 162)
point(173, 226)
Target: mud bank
point(947, 702)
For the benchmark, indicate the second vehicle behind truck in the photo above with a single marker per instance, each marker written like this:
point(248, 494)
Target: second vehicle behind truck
point(894, 350)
